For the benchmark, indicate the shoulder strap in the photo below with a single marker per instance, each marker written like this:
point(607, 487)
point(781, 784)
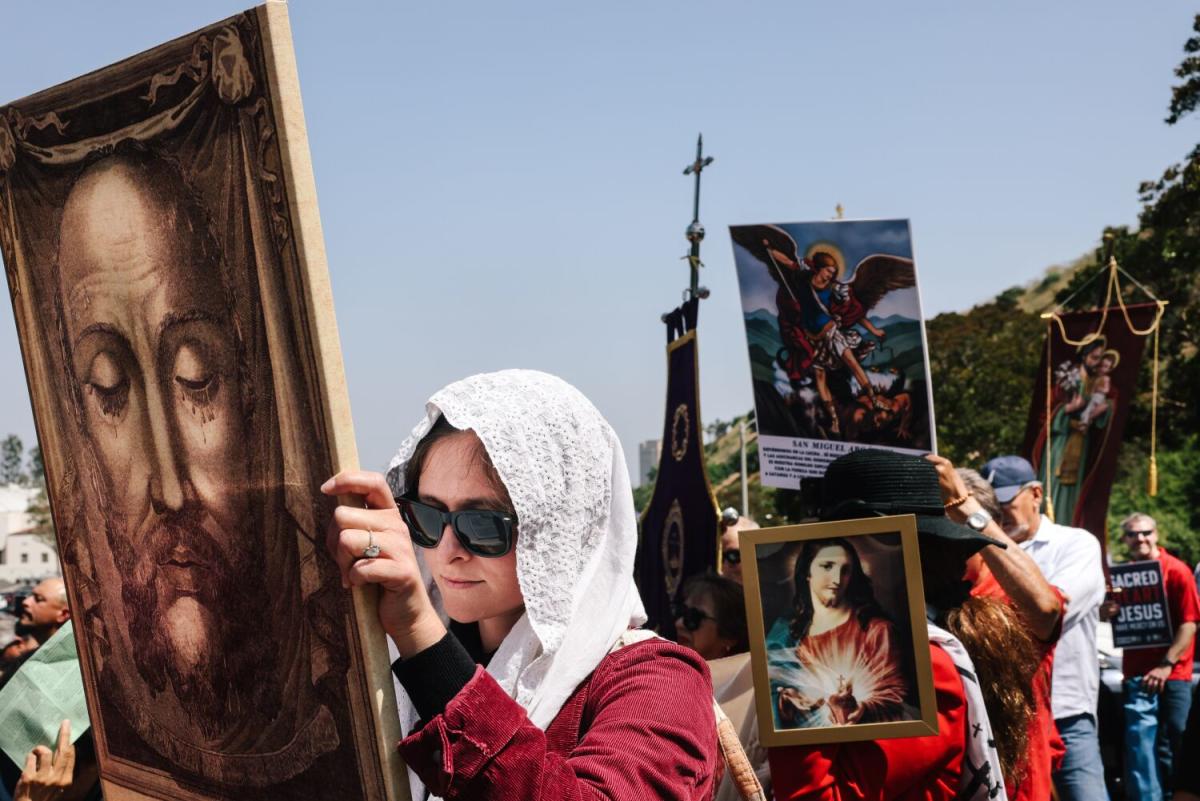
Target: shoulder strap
point(741, 772)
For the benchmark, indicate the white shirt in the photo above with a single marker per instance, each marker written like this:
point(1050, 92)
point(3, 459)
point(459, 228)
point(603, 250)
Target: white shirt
point(1070, 560)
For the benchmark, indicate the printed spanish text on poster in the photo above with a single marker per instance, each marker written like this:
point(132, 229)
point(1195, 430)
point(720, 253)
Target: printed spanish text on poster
point(1144, 619)
point(838, 355)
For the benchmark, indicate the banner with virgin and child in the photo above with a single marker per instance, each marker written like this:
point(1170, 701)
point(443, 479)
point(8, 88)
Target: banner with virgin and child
point(1086, 382)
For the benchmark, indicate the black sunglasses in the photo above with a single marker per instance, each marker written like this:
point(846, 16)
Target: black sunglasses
point(733, 556)
point(692, 617)
point(481, 531)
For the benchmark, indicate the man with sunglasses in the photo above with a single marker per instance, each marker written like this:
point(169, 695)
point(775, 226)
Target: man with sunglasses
point(731, 554)
point(1070, 560)
point(1158, 681)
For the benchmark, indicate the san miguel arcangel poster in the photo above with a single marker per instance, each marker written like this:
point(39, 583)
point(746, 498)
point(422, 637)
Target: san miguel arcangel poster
point(163, 252)
point(837, 342)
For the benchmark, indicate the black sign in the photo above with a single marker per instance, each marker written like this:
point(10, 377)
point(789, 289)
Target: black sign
point(1144, 620)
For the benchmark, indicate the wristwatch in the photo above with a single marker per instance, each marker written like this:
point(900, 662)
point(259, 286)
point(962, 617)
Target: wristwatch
point(978, 520)
point(1167, 663)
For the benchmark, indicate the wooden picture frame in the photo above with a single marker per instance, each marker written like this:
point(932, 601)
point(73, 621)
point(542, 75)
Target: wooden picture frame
point(163, 250)
point(866, 674)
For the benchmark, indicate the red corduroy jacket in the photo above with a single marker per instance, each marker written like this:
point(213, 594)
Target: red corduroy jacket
point(641, 727)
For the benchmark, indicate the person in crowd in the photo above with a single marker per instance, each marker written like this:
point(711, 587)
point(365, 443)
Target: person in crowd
point(511, 615)
point(48, 775)
point(1069, 558)
point(1187, 771)
point(731, 551)
point(712, 618)
point(45, 610)
point(838, 629)
point(978, 647)
point(1017, 581)
point(1158, 681)
point(43, 613)
point(14, 654)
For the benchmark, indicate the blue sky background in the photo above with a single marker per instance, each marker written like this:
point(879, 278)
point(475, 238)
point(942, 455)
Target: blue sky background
point(500, 182)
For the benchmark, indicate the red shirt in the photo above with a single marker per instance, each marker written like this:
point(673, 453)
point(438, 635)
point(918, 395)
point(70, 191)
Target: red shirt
point(641, 727)
point(1046, 749)
point(1185, 608)
point(906, 769)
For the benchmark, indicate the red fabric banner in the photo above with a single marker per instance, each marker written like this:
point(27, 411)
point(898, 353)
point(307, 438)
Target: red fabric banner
point(1091, 388)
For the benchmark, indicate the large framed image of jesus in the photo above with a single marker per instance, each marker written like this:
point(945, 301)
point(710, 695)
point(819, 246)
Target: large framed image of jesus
point(838, 639)
point(163, 251)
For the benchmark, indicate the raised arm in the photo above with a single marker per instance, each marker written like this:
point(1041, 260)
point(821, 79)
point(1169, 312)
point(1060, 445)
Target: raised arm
point(1015, 570)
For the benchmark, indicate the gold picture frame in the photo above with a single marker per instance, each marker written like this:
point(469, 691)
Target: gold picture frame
point(868, 677)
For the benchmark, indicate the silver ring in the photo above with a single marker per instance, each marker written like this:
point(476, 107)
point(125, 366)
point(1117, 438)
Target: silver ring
point(372, 550)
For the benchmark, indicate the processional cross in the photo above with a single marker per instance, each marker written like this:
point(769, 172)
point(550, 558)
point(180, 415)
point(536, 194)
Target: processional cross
point(695, 231)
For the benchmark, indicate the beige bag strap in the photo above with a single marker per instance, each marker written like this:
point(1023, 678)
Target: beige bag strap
point(736, 762)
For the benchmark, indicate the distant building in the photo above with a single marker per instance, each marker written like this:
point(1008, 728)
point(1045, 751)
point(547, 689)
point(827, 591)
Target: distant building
point(25, 558)
point(648, 453)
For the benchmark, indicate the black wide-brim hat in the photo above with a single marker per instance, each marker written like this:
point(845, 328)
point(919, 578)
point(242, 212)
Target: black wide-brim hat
point(874, 482)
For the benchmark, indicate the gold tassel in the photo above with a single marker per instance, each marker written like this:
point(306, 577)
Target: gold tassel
point(1152, 484)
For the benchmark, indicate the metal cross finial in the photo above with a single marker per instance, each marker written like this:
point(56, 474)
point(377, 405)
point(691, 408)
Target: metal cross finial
point(695, 231)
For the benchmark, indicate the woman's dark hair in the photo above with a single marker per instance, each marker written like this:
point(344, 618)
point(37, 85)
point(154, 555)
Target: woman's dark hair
point(859, 592)
point(443, 430)
point(729, 608)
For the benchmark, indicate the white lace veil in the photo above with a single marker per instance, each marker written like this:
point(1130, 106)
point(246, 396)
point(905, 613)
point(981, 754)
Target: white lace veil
point(577, 534)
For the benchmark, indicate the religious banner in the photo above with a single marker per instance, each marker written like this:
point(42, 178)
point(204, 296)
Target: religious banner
point(163, 250)
point(837, 342)
point(1085, 390)
point(679, 525)
point(1143, 619)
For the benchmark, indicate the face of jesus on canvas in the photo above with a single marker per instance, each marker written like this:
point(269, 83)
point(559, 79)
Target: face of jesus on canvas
point(474, 589)
point(828, 576)
point(155, 366)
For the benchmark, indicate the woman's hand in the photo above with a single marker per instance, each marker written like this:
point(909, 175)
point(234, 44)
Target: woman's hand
point(47, 775)
point(405, 611)
point(949, 481)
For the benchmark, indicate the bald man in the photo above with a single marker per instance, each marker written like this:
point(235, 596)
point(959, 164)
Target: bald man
point(45, 610)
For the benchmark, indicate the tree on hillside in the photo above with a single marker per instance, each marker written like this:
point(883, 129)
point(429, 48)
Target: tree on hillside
point(39, 506)
point(981, 365)
point(12, 455)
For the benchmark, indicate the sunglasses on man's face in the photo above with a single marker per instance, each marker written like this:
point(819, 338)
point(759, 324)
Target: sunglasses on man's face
point(733, 556)
point(481, 531)
point(1136, 534)
point(691, 617)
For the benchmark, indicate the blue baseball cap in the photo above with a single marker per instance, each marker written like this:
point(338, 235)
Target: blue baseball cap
point(1008, 475)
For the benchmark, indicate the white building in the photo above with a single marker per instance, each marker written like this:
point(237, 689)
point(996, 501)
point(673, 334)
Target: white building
point(25, 558)
point(648, 455)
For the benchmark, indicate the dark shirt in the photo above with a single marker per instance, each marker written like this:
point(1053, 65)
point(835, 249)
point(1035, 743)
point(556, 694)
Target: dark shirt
point(437, 674)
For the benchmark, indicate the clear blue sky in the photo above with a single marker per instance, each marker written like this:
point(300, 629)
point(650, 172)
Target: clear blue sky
point(500, 182)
